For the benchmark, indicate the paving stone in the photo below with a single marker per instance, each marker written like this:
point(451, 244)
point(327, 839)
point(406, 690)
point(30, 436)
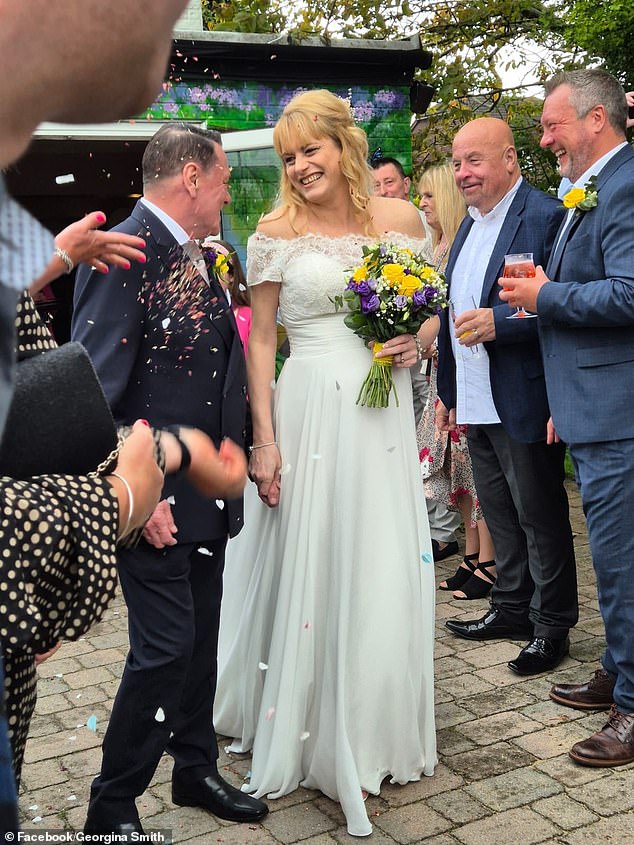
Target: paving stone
point(342, 837)
point(103, 657)
point(489, 761)
point(295, 824)
point(77, 717)
point(498, 727)
point(612, 794)
point(464, 685)
point(46, 748)
point(88, 677)
point(513, 789)
point(444, 780)
point(450, 742)
point(44, 725)
point(491, 654)
point(564, 811)
point(568, 773)
point(48, 704)
point(238, 834)
point(87, 696)
point(549, 714)
point(458, 806)
point(449, 714)
point(552, 741)
point(411, 823)
point(497, 701)
point(450, 667)
point(617, 830)
point(57, 666)
point(507, 828)
point(190, 822)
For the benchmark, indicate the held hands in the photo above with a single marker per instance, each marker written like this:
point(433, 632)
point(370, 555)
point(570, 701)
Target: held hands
point(475, 326)
point(136, 464)
point(522, 293)
point(265, 466)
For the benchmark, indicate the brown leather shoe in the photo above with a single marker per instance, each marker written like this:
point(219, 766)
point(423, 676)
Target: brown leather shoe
point(596, 694)
point(613, 745)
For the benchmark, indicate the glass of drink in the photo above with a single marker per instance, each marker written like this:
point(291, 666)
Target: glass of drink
point(455, 309)
point(519, 265)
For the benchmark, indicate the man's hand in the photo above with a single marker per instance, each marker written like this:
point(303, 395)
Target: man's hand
point(160, 528)
point(445, 420)
point(522, 293)
point(475, 326)
point(551, 434)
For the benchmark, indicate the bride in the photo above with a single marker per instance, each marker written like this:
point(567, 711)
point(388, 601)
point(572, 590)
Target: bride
point(326, 643)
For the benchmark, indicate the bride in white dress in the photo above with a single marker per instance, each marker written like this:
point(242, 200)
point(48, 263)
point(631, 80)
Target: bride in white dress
point(326, 642)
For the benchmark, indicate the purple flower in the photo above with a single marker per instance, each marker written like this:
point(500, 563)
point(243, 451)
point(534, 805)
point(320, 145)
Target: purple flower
point(363, 289)
point(400, 302)
point(430, 293)
point(370, 304)
point(371, 283)
point(419, 298)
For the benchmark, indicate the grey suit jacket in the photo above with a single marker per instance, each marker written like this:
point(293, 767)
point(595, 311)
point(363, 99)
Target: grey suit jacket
point(587, 314)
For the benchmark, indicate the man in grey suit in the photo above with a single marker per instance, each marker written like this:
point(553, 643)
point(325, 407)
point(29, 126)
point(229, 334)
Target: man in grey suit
point(501, 396)
point(585, 302)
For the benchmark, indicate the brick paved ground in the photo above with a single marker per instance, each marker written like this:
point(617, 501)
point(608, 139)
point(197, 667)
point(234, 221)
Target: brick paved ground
point(504, 774)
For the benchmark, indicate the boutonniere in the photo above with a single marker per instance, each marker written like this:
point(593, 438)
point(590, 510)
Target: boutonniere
point(583, 199)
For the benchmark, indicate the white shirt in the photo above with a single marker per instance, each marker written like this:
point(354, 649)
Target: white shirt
point(474, 399)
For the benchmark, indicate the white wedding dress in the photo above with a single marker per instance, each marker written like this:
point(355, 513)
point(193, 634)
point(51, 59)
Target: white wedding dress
point(326, 640)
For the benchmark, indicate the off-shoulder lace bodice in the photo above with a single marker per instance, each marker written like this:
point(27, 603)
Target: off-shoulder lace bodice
point(312, 269)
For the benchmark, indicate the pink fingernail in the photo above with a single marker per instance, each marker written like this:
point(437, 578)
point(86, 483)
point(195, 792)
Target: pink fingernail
point(101, 217)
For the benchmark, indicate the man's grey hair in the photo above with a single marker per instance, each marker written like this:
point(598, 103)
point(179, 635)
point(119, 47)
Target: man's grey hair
point(173, 145)
point(590, 88)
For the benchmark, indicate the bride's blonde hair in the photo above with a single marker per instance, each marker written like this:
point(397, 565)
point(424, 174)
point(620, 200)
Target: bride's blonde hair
point(320, 114)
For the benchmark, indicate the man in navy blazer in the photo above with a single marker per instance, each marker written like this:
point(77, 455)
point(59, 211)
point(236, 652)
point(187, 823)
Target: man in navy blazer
point(166, 348)
point(500, 394)
point(585, 301)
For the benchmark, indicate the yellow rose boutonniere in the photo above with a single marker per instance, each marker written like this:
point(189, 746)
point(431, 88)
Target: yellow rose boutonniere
point(582, 199)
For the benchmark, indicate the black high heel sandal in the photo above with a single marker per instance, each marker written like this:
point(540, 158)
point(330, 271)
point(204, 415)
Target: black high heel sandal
point(476, 587)
point(462, 574)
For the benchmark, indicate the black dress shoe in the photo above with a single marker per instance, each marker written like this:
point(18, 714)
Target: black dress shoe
point(123, 832)
point(219, 797)
point(541, 655)
point(493, 625)
point(447, 550)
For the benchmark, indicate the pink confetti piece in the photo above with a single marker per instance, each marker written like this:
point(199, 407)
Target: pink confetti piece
point(269, 714)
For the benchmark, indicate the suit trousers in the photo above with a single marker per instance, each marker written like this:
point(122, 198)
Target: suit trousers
point(525, 505)
point(165, 699)
point(605, 473)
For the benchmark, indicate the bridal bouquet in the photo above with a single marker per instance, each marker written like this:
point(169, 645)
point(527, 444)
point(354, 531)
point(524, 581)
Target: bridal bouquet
point(391, 293)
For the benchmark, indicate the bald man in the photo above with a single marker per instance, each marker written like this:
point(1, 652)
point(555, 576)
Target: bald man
point(500, 395)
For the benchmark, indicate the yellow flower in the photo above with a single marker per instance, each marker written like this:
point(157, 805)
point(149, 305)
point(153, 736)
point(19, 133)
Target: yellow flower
point(360, 273)
point(221, 263)
point(574, 197)
point(408, 285)
point(393, 274)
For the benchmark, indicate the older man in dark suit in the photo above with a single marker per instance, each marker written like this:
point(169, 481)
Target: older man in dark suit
point(585, 302)
point(500, 394)
point(166, 347)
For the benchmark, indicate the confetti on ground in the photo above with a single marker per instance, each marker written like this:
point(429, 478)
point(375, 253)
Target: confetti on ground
point(78, 695)
point(263, 666)
point(59, 675)
point(72, 797)
point(91, 724)
point(34, 807)
point(72, 738)
point(220, 504)
point(159, 716)
point(269, 714)
point(37, 819)
point(65, 179)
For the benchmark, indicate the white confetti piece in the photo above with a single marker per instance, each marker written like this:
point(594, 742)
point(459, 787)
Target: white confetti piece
point(285, 469)
point(316, 457)
point(166, 322)
point(269, 714)
point(220, 504)
point(304, 736)
point(72, 738)
point(37, 819)
point(65, 179)
point(34, 807)
point(78, 695)
point(263, 666)
point(72, 797)
point(171, 500)
point(203, 551)
point(159, 716)
point(59, 675)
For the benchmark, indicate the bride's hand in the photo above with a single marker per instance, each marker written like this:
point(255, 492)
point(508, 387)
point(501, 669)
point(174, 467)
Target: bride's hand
point(265, 465)
point(402, 349)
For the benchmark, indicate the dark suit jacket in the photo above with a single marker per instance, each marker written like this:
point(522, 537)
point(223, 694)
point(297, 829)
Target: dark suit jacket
point(587, 321)
point(166, 348)
point(515, 362)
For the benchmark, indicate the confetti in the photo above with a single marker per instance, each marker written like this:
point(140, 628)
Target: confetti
point(263, 666)
point(203, 551)
point(59, 675)
point(65, 179)
point(72, 798)
point(72, 738)
point(91, 724)
point(78, 695)
point(426, 557)
point(285, 469)
point(316, 457)
point(171, 500)
point(304, 736)
point(248, 775)
point(159, 716)
point(220, 504)
point(307, 625)
point(37, 819)
point(34, 807)
point(166, 322)
point(269, 714)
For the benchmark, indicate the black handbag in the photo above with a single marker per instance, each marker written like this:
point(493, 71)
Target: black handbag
point(59, 420)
